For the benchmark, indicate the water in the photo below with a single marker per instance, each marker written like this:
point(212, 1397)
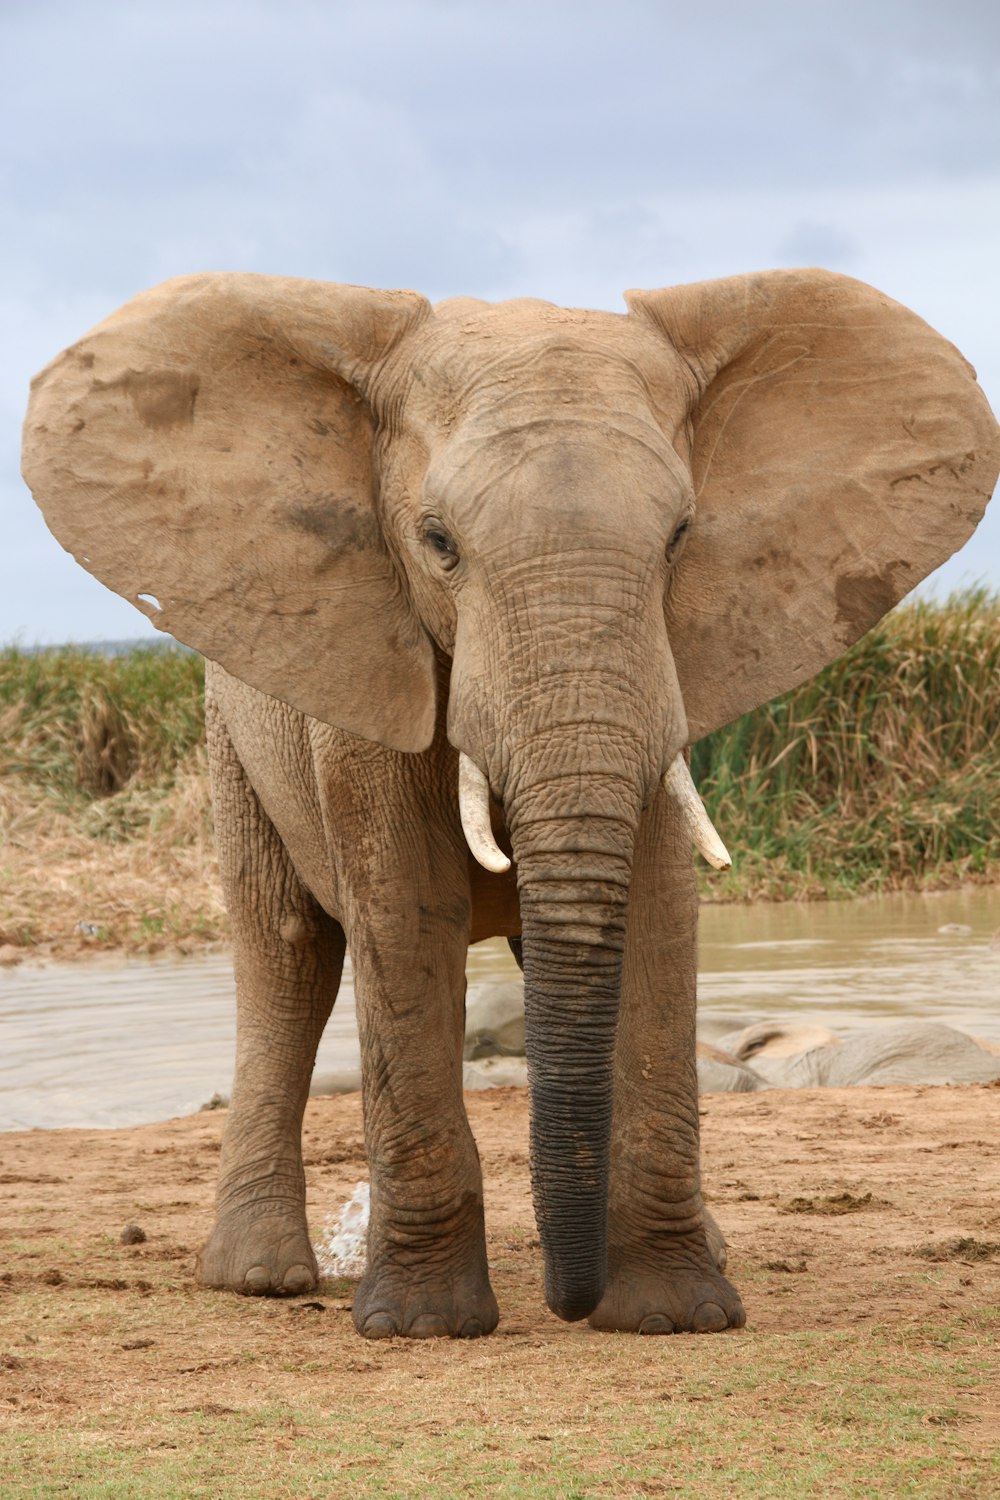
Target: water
point(846, 963)
point(121, 1043)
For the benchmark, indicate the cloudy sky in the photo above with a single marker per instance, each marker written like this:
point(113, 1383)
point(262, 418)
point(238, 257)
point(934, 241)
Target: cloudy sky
point(500, 148)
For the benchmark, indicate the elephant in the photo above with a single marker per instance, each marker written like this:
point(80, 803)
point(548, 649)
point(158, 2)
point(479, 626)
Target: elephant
point(470, 578)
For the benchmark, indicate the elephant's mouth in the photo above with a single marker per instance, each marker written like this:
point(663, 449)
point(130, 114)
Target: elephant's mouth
point(474, 807)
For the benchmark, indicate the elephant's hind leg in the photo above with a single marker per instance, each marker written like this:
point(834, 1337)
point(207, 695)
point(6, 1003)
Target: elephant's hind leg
point(288, 956)
point(664, 1251)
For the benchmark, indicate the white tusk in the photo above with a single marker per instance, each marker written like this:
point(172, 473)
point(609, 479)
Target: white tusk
point(677, 780)
point(474, 807)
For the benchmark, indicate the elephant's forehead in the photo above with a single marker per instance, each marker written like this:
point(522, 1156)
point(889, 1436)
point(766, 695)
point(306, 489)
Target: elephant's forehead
point(471, 349)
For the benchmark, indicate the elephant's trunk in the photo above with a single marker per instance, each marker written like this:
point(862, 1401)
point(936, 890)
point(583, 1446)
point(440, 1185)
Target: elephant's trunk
point(563, 692)
point(573, 876)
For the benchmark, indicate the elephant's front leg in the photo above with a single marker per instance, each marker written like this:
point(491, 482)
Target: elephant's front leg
point(288, 955)
point(426, 1275)
point(663, 1276)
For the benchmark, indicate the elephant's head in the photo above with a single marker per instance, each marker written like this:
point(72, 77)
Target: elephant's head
point(622, 530)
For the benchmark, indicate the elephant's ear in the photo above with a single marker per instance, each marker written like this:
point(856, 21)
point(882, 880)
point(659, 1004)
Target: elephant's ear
point(206, 452)
point(841, 450)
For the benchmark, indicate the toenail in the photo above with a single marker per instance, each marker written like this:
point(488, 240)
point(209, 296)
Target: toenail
point(709, 1318)
point(428, 1326)
point(298, 1279)
point(471, 1329)
point(656, 1323)
point(379, 1326)
point(257, 1280)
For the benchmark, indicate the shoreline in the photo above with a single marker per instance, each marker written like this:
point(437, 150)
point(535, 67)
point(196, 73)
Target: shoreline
point(132, 933)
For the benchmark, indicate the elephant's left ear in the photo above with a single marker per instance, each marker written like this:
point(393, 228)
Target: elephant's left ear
point(840, 448)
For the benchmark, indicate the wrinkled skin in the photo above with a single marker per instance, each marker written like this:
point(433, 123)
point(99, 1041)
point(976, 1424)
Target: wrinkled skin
point(533, 479)
point(274, 794)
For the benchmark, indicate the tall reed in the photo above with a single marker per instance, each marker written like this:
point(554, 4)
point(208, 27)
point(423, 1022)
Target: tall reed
point(881, 772)
point(84, 725)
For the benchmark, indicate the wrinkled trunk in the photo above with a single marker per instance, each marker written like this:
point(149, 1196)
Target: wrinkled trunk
point(563, 691)
point(573, 874)
point(571, 988)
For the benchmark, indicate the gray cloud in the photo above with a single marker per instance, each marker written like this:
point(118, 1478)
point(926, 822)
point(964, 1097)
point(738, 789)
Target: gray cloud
point(493, 147)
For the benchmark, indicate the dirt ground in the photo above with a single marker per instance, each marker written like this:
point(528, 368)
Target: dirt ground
point(863, 1227)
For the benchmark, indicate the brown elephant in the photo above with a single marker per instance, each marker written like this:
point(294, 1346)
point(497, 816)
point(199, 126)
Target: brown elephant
point(557, 545)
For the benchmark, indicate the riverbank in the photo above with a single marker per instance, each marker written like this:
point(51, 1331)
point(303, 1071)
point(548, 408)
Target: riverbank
point(880, 775)
point(863, 1234)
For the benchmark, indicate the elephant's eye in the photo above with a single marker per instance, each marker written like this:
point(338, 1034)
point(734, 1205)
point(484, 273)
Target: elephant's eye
point(678, 539)
point(442, 545)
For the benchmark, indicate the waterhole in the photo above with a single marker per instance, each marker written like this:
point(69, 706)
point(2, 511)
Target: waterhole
point(129, 1041)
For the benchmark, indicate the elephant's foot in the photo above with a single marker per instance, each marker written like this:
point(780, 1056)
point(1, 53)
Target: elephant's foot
point(685, 1293)
point(419, 1303)
point(260, 1253)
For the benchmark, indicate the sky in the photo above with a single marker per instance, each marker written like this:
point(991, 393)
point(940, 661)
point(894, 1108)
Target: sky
point(494, 148)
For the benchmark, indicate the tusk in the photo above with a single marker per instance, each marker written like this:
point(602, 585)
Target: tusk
point(677, 780)
point(474, 807)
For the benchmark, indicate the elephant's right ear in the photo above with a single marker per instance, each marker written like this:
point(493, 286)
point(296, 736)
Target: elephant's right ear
point(206, 452)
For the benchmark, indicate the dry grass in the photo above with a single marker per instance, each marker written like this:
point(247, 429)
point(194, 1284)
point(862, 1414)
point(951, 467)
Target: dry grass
point(104, 803)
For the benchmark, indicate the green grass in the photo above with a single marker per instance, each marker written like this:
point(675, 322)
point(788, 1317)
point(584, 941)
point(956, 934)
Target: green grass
point(84, 726)
point(858, 1416)
point(881, 773)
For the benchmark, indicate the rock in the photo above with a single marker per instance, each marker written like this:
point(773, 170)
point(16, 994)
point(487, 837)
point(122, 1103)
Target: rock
point(776, 1039)
point(905, 1052)
point(719, 1077)
point(337, 1081)
point(714, 1024)
point(9, 955)
point(494, 1020)
point(495, 1073)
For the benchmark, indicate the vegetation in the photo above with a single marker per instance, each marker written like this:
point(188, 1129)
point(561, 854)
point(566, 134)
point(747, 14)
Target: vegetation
point(82, 726)
point(879, 774)
point(105, 823)
point(857, 1417)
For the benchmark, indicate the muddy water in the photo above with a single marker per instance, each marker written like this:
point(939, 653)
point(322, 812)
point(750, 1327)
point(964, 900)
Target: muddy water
point(126, 1042)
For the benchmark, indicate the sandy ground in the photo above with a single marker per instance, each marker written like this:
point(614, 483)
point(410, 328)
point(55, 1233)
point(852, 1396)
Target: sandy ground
point(845, 1210)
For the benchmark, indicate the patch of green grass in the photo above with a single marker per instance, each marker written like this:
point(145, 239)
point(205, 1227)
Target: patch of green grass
point(86, 726)
point(851, 1415)
point(880, 773)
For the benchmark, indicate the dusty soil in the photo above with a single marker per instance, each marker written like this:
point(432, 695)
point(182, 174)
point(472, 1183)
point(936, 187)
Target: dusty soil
point(871, 1216)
